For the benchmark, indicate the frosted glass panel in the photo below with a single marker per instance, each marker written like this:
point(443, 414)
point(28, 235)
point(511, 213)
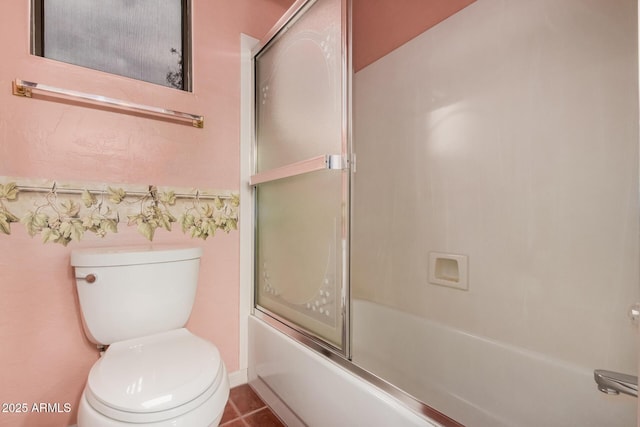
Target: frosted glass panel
point(298, 90)
point(302, 220)
point(299, 247)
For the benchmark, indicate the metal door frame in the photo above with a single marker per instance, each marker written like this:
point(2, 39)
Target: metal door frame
point(329, 161)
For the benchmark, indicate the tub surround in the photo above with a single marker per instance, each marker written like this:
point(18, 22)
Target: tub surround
point(507, 133)
point(517, 160)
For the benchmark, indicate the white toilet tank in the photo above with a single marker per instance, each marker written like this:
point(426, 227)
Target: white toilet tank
point(128, 292)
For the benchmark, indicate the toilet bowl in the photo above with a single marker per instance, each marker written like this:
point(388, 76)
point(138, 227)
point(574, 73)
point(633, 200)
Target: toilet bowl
point(154, 372)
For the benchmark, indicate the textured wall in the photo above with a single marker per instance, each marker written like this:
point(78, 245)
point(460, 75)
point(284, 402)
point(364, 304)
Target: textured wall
point(44, 356)
point(380, 26)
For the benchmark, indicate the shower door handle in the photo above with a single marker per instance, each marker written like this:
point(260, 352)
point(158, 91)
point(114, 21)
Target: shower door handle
point(326, 161)
point(615, 383)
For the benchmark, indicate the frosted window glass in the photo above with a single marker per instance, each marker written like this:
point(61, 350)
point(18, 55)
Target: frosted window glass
point(141, 39)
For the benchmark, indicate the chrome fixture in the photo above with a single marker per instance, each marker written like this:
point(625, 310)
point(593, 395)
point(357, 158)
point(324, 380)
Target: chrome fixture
point(326, 161)
point(615, 383)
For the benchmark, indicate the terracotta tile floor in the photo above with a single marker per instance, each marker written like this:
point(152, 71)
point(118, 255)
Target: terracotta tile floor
point(246, 409)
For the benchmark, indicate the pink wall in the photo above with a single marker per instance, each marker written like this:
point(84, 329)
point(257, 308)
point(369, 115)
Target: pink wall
point(44, 355)
point(380, 26)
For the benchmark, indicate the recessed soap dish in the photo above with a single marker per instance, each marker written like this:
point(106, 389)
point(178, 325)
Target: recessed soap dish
point(448, 270)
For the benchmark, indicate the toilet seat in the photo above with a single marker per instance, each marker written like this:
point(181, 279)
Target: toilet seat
point(154, 378)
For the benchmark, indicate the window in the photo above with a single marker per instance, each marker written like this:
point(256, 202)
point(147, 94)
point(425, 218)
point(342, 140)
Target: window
point(143, 39)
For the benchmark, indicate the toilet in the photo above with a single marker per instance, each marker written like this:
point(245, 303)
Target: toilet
point(154, 372)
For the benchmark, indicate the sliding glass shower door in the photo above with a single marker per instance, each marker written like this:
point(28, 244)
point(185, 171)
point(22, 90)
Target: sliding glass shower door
point(301, 173)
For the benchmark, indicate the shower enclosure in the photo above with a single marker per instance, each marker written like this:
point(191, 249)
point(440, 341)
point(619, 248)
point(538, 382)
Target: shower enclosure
point(302, 174)
point(480, 257)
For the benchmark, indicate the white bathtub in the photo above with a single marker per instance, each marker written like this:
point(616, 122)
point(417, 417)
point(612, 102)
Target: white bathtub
point(480, 382)
point(305, 388)
point(476, 381)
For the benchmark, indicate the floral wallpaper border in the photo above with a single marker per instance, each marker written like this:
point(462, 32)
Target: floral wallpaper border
point(65, 212)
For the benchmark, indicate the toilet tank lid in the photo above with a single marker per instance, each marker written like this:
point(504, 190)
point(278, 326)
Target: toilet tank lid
point(132, 255)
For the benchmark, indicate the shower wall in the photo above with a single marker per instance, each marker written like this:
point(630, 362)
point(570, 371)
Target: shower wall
point(507, 133)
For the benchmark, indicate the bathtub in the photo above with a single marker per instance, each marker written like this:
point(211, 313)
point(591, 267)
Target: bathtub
point(305, 388)
point(476, 381)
